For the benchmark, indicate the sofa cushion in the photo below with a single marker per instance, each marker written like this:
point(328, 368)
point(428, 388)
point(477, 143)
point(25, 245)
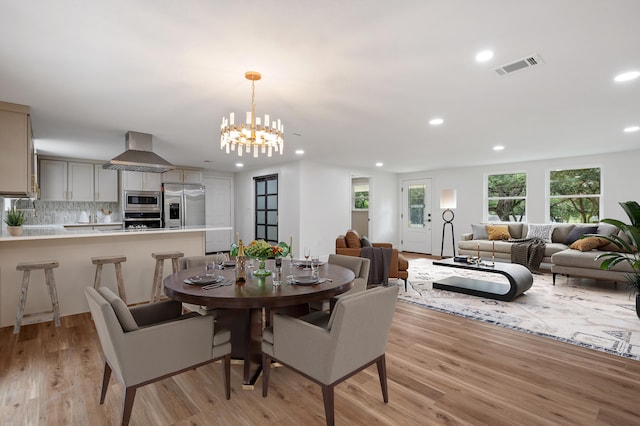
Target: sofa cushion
point(586, 260)
point(540, 231)
point(515, 229)
point(353, 239)
point(561, 232)
point(341, 242)
point(588, 243)
point(579, 231)
point(498, 232)
point(607, 229)
point(364, 241)
point(479, 231)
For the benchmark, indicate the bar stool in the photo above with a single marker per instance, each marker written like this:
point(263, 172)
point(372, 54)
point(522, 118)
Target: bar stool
point(27, 267)
point(156, 290)
point(117, 262)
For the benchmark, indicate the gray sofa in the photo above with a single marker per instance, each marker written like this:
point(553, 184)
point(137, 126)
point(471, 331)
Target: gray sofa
point(558, 257)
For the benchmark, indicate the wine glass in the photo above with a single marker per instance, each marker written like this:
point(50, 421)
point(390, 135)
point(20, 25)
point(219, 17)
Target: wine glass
point(220, 262)
point(307, 253)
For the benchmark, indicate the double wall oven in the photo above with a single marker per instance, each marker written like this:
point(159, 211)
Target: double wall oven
point(142, 209)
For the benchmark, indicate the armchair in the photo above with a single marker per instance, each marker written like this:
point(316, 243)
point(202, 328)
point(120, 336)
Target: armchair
point(330, 348)
point(360, 268)
point(151, 342)
point(351, 243)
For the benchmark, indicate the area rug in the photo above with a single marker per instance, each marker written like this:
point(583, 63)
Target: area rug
point(594, 314)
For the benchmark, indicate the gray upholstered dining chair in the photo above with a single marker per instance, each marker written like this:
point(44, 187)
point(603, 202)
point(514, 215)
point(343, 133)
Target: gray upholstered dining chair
point(359, 266)
point(329, 348)
point(151, 342)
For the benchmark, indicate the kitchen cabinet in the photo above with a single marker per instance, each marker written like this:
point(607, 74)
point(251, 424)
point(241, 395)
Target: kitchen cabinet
point(141, 181)
point(105, 183)
point(65, 180)
point(17, 162)
point(183, 175)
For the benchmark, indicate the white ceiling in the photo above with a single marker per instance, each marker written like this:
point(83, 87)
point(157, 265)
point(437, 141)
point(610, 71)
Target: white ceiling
point(354, 82)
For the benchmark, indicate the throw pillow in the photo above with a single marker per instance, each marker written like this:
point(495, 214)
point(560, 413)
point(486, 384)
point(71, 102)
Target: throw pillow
point(479, 232)
point(498, 232)
point(126, 320)
point(579, 231)
point(364, 241)
point(353, 239)
point(540, 231)
point(588, 244)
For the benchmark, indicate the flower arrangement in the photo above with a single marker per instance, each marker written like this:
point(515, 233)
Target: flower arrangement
point(260, 249)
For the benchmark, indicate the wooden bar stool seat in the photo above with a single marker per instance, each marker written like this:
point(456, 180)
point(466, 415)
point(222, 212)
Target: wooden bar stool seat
point(117, 262)
point(27, 267)
point(156, 289)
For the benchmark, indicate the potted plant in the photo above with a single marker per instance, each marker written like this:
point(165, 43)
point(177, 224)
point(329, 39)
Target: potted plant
point(14, 221)
point(628, 247)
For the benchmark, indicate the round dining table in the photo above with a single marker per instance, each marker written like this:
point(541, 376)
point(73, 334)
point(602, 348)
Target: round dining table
point(245, 309)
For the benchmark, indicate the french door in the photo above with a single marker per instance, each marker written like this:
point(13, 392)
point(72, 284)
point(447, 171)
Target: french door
point(416, 215)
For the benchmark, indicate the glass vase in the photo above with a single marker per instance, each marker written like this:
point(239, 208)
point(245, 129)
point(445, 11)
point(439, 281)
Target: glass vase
point(261, 271)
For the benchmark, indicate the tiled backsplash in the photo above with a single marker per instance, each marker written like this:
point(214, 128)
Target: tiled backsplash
point(64, 212)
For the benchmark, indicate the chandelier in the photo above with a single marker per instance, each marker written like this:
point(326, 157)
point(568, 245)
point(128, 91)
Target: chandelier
point(257, 135)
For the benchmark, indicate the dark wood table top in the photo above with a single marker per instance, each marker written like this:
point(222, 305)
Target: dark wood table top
point(257, 294)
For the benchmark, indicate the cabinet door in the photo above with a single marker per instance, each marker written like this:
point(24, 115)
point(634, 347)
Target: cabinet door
point(132, 180)
point(17, 153)
point(151, 181)
point(174, 175)
point(53, 180)
point(106, 184)
point(80, 181)
point(192, 176)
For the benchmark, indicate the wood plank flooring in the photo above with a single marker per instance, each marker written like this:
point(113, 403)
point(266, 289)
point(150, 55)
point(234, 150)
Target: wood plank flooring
point(443, 370)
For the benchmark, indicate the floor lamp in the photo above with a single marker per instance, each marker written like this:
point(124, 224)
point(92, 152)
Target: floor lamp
point(448, 202)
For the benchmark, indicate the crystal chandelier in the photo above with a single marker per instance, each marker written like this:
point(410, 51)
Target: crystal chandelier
point(257, 135)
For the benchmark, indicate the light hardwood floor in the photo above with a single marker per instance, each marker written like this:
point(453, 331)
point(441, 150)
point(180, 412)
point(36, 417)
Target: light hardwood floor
point(443, 370)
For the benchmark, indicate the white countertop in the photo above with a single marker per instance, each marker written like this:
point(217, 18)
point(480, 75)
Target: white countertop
point(40, 232)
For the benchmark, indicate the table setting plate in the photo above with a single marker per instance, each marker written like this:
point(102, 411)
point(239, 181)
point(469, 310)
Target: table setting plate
point(307, 281)
point(304, 264)
point(202, 280)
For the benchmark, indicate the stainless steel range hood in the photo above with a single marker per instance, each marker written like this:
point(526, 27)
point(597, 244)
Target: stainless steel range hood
point(138, 156)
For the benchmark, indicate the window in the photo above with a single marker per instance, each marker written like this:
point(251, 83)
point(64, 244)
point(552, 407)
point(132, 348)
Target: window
point(360, 194)
point(266, 221)
point(574, 195)
point(416, 196)
point(507, 197)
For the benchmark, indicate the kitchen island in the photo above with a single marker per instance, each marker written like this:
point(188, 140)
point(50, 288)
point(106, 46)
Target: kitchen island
point(73, 249)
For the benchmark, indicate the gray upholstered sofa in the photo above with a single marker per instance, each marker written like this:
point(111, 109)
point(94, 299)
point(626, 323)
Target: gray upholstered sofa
point(558, 257)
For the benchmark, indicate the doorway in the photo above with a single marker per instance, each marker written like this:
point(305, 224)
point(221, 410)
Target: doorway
point(218, 208)
point(360, 196)
point(416, 215)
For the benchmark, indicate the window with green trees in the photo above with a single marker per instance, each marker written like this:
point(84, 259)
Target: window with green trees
point(361, 196)
point(574, 195)
point(507, 197)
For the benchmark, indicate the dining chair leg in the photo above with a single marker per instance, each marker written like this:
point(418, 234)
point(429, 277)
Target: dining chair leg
point(226, 367)
point(382, 374)
point(266, 369)
point(127, 404)
point(106, 375)
point(327, 396)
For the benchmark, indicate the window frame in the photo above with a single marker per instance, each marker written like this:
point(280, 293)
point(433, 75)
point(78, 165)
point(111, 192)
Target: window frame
point(266, 179)
point(548, 195)
point(485, 213)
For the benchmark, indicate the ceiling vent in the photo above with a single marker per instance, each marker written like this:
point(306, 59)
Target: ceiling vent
point(520, 64)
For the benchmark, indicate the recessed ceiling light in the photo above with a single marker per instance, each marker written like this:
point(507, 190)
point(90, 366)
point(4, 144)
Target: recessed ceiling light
point(436, 121)
point(378, 164)
point(484, 56)
point(239, 165)
point(631, 129)
point(299, 151)
point(626, 76)
point(498, 148)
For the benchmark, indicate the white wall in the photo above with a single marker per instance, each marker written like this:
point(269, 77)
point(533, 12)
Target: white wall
point(618, 184)
point(315, 204)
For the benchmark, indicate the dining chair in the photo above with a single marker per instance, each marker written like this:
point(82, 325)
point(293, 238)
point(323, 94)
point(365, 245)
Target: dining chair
point(359, 266)
point(193, 262)
point(151, 342)
point(330, 348)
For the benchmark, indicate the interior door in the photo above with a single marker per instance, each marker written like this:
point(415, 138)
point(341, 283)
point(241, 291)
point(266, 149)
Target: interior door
point(218, 213)
point(416, 215)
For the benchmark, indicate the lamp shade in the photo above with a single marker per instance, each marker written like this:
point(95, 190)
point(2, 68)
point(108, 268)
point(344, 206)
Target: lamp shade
point(448, 199)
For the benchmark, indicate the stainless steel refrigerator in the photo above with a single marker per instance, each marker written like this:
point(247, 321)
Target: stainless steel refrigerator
point(183, 204)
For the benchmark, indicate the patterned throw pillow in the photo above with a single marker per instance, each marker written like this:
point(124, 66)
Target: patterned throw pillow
point(498, 232)
point(540, 231)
